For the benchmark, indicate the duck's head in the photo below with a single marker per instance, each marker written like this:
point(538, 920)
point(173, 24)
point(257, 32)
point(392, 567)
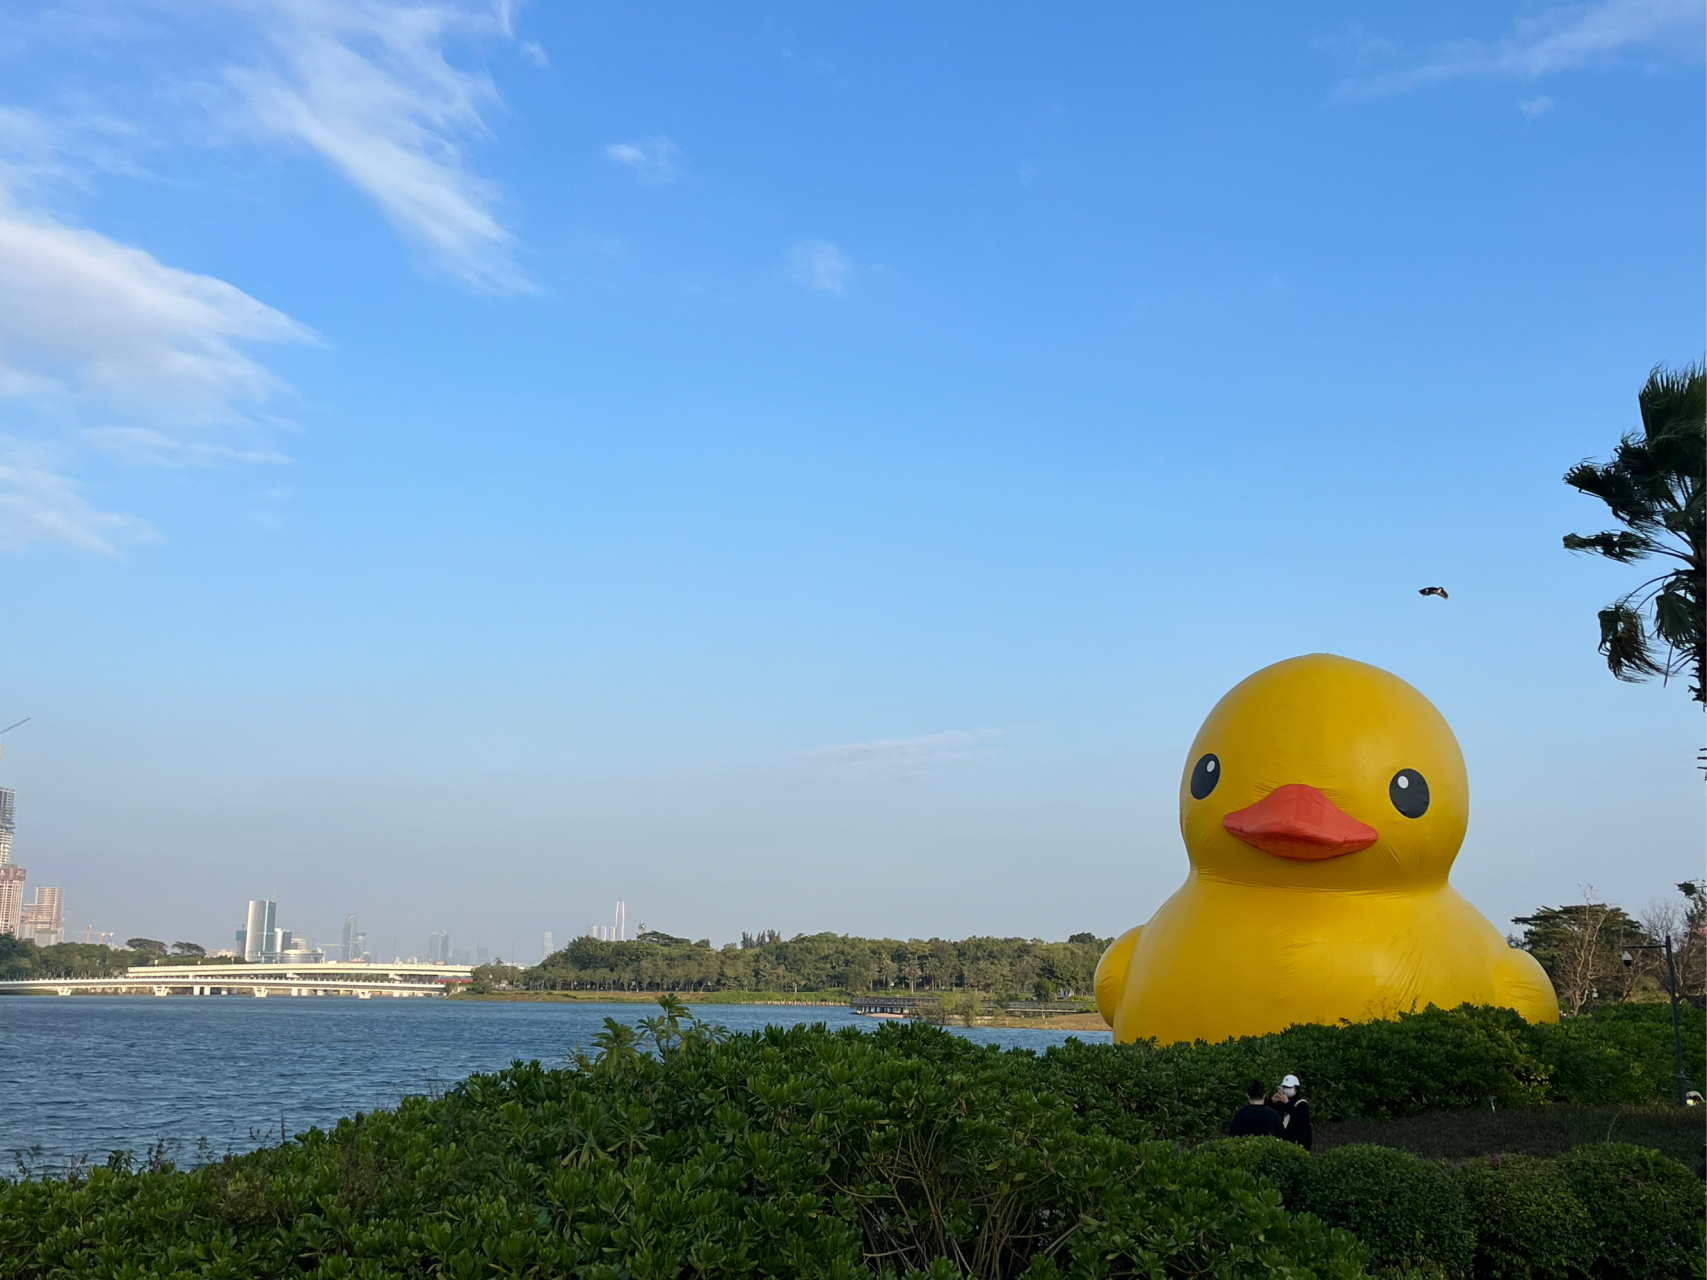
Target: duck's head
point(1324, 772)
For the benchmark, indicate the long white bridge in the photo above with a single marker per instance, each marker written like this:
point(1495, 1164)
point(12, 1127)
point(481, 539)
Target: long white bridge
point(363, 981)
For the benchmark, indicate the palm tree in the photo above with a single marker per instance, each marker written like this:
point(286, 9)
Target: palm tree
point(1653, 486)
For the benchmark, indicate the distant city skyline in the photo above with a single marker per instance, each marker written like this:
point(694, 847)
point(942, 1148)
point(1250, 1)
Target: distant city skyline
point(41, 918)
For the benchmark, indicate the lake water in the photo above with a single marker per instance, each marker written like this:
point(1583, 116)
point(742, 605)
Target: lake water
point(81, 1076)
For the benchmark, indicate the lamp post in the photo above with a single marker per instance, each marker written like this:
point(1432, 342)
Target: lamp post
point(1676, 1033)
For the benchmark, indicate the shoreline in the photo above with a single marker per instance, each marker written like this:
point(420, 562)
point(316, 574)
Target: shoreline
point(1090, 1021)
point(821, 999)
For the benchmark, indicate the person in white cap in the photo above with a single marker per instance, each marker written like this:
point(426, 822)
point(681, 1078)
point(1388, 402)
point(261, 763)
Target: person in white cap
point(1294, 1112)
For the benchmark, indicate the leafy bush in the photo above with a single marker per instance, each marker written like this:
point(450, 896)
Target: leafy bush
point(1427, 1063)
point(1274, 1161)
point(679, 1151)
point(1646, 1210)
point(1409, 1212)
point(1621, 1053)
point(903, 1151)
point(1529, 1225)
point(1436, 1060)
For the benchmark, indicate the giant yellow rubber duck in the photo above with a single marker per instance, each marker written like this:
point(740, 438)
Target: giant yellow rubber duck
point(1322, 804)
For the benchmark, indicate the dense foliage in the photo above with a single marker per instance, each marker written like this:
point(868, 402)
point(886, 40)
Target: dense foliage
point(1409, 1212)
point(792, 1152)
point(1432, 1061)
point(680, 1151)
point(1645, 1211)
point(23, 959)
point(1606, 1210)
point(822, 962)
point(1529, 1223)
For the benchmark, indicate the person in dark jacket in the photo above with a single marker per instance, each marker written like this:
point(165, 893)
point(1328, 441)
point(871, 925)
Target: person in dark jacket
point(1294, 1112)
point(1255, 1119)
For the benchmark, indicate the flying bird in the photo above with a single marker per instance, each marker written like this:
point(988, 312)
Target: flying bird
point(1434, 591)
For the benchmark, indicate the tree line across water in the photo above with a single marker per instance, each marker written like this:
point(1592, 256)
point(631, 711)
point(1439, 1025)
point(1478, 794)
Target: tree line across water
point(998, 967)
point(1581, 946)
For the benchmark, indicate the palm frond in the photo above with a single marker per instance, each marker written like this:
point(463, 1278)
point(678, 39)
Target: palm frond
point(1620, 546)
point(1624, 641)
point(1673, 401)
point(1677, 611)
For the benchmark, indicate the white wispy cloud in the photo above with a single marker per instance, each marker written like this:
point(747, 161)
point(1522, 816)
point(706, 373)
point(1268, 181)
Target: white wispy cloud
point(1532, 107)
point(653, 159)
point(1559, 39)
point(89, 319)
point(103, 347)
point(368, 85)
point(146, 447)
point(39, 504)
point(820, 265)
point(908, 755)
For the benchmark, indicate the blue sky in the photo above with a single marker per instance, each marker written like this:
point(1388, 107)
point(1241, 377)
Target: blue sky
point(808, 470)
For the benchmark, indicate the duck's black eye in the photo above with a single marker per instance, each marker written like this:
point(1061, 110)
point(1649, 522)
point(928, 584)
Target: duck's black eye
point(1409, 790)
point(1205, 776)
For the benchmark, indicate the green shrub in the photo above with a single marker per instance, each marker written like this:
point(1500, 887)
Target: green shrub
point(1645, 1210)
point(1408, 1212)
point(1435, 1060)
point(1426, 1063)
point(676, 1151)
point(1274, 1161)
point(1529, 1225)
point(1620, 1053)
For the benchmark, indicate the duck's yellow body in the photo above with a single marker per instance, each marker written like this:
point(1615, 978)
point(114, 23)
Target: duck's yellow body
point(1322, 806)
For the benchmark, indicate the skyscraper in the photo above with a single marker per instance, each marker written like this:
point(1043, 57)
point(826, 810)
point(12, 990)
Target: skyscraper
point(438, 947)
point(547, 947)
point(11, 878)
point(352, 942)
point(44, 919)
point(11, 900)
point(258, 938)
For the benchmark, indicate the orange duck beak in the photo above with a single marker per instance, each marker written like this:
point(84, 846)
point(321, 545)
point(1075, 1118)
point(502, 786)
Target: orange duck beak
point(1298, 821)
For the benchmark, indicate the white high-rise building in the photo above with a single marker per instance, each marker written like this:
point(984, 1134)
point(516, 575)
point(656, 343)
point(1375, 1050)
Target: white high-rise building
point(438, 946)
point(353, 941)
point(259, 929)
point(547, 947)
